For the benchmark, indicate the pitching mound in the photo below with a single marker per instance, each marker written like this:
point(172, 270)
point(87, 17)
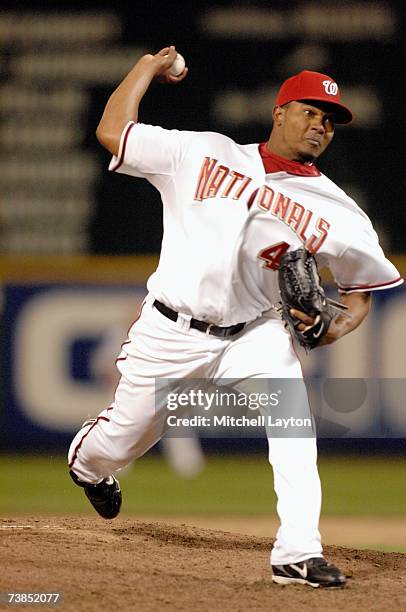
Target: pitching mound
point(137, 566)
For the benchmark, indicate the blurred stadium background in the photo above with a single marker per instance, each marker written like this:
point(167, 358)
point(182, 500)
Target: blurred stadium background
point(77, 243)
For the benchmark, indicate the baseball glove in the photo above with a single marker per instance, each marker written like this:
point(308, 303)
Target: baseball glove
point(300, 288)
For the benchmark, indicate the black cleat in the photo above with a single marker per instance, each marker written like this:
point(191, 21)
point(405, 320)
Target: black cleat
point(316, 572)
point(105, 496)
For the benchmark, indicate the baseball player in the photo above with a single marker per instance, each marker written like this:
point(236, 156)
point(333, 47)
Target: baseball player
point(230, 213)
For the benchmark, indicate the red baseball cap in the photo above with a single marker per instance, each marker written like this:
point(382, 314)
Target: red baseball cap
point(308, 85)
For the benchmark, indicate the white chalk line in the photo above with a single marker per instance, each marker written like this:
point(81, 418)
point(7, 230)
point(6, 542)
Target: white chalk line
point(30, 527)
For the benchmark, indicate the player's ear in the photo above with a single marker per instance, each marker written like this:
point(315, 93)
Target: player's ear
point(277, 115)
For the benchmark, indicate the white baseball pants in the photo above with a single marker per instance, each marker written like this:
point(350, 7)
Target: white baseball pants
point(160, 348)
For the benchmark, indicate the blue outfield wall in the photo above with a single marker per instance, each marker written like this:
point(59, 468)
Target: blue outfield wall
point(60, 341)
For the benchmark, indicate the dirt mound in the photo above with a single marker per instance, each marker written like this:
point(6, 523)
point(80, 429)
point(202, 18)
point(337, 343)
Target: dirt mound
point(128, 565)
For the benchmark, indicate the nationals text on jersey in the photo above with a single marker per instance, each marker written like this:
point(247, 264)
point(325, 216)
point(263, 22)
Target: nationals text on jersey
point(209, 182)
point(212, 177)
point(294, 215)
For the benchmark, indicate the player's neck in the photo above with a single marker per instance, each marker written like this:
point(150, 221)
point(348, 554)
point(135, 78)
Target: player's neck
point(277, 163)
point(283, 154)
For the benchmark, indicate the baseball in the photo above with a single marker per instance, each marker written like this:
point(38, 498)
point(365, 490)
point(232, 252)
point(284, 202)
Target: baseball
point(178, 65)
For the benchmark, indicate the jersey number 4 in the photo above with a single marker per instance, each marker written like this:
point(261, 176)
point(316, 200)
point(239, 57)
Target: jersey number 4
point(272, 254)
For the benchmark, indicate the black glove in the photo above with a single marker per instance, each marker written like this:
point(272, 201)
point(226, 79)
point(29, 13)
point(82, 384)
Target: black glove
point(300, 288)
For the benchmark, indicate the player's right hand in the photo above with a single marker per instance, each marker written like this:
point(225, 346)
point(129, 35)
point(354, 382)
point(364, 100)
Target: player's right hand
point(163, 60)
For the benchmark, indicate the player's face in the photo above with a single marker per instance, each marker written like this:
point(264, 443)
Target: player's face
point(304, 131)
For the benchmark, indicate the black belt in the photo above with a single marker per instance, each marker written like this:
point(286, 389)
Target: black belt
point(214, 330)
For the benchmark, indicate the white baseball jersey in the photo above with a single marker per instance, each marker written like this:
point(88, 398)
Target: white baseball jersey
point(230, 212)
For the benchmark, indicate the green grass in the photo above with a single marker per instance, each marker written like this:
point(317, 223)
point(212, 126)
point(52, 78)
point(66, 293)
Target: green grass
point(364, 486)
point(229, 485)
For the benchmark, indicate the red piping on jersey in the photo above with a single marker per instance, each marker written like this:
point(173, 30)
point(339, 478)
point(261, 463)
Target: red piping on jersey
point(123, 358)
point(128, 331)
point(275, 163)
point(136, 319)
point(396, 280)
point(122, 154)
point(75, 454)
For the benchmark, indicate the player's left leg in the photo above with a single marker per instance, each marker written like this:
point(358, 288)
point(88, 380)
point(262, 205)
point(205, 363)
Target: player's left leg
point(264, 351)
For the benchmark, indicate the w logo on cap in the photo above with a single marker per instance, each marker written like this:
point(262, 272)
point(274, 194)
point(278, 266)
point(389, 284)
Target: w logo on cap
point(330, 87)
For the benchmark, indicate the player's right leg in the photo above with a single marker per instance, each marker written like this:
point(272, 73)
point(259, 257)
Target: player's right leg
point(121, 433)
point(135, 421)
